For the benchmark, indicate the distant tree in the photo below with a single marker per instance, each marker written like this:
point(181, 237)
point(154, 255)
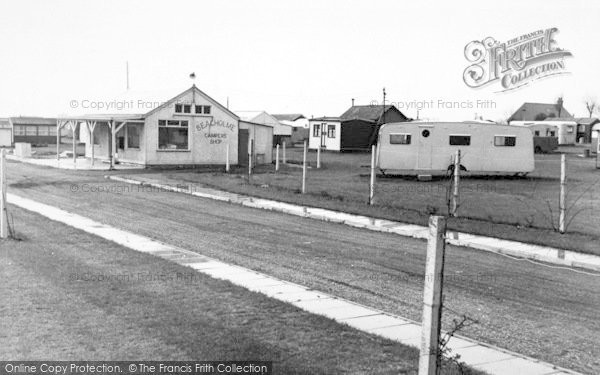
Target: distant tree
point(591, 105)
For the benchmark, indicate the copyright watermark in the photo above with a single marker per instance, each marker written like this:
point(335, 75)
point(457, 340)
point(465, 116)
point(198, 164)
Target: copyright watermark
point(114, 105)
point(438, 104)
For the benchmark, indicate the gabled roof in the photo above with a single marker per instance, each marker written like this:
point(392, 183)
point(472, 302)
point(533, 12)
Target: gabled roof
point(259, 117)
point(529, 111)
point(197, 90)
point(367, 112)
point(587, 120)
point(288, 117)
point(249, 115)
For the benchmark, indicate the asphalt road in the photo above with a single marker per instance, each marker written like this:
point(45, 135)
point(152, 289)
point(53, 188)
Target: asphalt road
point(547, 313)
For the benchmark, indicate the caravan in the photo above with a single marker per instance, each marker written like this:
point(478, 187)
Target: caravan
point(429, 148)
point(566, 129)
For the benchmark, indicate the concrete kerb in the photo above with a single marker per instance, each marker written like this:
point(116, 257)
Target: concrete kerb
point(339, 309)
point(489, 244)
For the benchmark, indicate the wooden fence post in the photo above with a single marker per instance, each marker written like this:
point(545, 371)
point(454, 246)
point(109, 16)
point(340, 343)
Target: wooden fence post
point(227, 158)
point(277, 158)
point(372, 180)
point(455, 192)
point(429, 358)
point(250, 154)
point(319, 157)
point(304, 169)
point(284, 160)
point(562, 197)
point(3, 185)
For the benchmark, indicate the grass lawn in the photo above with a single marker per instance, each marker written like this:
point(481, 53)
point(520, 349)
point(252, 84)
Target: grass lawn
point(548, 313)
point(68, 295)
point(522, 209)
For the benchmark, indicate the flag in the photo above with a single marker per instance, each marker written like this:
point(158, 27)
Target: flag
point(193, 76)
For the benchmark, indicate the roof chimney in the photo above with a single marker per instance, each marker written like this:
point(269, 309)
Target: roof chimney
point(353, 102)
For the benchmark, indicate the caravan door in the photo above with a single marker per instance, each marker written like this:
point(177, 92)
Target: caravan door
point(425, 142)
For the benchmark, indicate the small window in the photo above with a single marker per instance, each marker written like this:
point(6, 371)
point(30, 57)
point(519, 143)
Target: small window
point(187, 108)
point(162, 122)
point(399, 139)
point(460, 140)
point(569, 129)
point(198, 109)
point(31, 130)
point(184, 123)
point(133, 136)
point(178, 108)
point(330, 131)
point(19, 130)
point(537, 133)
point(206, 110)
point(43, 130)
point(552, 133)
point(317, 130)
point(505, 140)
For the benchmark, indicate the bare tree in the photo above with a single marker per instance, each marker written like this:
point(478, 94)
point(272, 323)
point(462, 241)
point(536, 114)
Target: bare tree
point(591, 105)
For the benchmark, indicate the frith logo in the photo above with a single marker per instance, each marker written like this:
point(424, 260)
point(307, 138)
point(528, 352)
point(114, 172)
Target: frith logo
point(514, 63)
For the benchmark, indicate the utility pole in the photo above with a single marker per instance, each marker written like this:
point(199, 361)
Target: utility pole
point(382, 118)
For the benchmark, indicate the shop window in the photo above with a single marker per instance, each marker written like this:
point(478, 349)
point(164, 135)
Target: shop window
point(173, 135)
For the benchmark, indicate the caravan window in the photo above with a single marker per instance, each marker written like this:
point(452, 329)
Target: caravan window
point(399, 139)
point(505, 140)
point(460, 140)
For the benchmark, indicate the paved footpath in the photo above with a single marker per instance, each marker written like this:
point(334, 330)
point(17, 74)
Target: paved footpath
point(478, 355)
point(495, 245)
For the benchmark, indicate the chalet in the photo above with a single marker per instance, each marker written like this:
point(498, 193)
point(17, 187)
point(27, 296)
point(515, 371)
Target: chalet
point(539, 112)
point(34, 130)
point(355, 130)
point(281, 132)
point(299, 125)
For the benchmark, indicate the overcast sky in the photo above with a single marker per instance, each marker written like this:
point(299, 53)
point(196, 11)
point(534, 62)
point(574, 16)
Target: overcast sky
point(310, 57)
